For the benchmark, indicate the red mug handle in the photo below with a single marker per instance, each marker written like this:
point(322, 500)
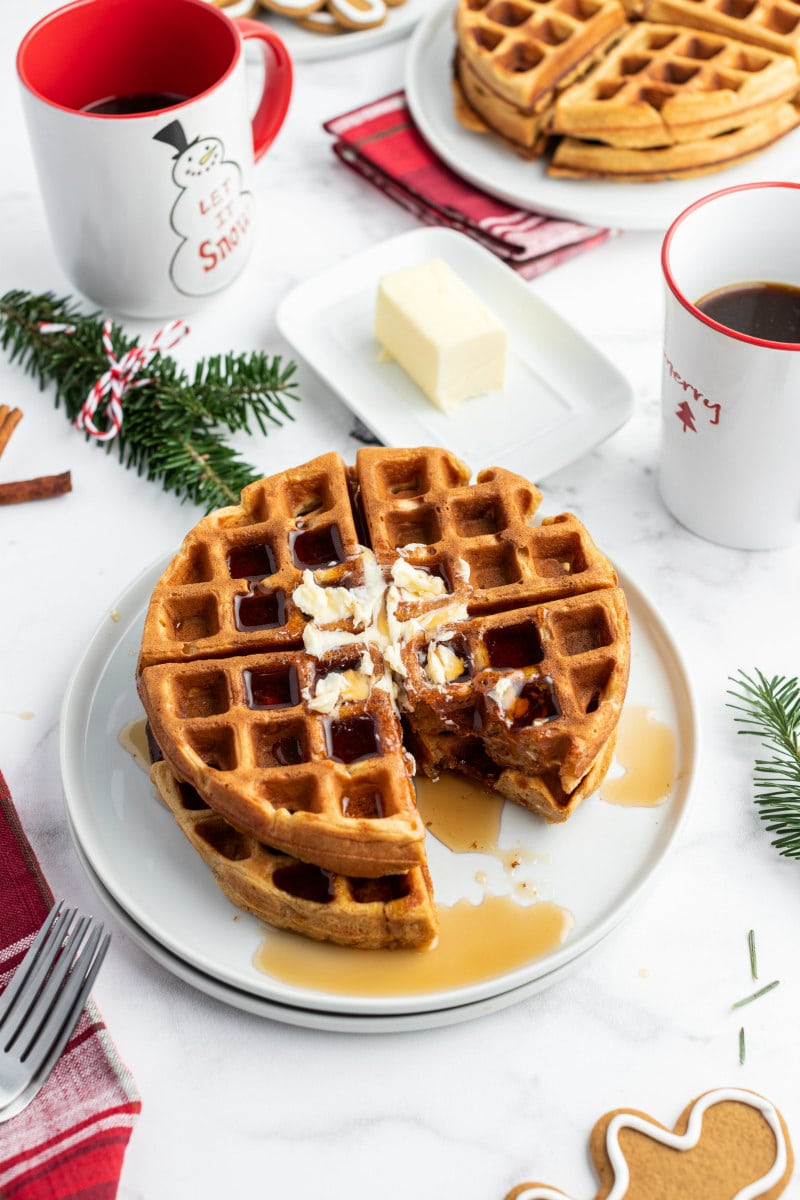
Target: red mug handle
point(274, 102)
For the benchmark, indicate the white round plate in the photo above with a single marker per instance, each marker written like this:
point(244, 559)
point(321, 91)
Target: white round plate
point(489, 164)
point(306, 46)
point(142, 859)
point(307, 1018)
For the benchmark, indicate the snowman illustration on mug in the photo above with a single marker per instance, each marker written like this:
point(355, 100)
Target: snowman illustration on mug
point(211, 214)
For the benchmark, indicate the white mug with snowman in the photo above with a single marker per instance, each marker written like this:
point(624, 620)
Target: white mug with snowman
point(145, 161)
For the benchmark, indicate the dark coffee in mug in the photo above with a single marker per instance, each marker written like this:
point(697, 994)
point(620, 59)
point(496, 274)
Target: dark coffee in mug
point(770, 311)
point(140, 102)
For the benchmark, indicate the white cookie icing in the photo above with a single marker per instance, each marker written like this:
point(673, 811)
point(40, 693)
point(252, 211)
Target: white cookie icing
point(295, 7)
point(239, 8)
point(682, 1141)
point(319, 20)
point(359, 12)
point(538, 1192)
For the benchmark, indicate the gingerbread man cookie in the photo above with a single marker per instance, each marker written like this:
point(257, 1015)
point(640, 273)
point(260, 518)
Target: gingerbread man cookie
point(729, 1144)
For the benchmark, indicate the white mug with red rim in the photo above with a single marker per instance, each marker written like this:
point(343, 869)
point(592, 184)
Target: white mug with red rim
point(729, 468)
point(149, 194)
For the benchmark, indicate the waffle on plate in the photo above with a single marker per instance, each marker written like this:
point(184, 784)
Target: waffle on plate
point(675, 88)
point(402, 610)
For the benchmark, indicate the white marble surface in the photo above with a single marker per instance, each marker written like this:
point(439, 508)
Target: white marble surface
point(235, 1103)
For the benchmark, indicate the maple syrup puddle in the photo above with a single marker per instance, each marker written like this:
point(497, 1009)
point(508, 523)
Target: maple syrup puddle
point(647, 754)
point(460, 813)
point(476, 941)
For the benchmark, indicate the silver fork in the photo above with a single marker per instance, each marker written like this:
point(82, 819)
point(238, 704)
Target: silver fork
point(43, 1000)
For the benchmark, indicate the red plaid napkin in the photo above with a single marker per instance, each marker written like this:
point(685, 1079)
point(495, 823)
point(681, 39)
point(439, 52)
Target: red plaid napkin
point(381, 143)
point(70, 1140)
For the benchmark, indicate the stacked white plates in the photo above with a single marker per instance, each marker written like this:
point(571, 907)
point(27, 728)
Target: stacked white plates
point(154, 883)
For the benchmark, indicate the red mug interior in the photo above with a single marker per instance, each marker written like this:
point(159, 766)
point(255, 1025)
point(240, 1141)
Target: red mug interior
point(95, 49)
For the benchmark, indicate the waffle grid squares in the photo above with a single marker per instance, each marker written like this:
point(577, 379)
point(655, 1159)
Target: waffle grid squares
point(523, 49)
point(663, 85)
point(773, 24)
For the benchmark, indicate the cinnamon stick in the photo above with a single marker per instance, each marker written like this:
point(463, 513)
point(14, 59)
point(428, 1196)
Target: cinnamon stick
point(9, 420)
point(41, 488)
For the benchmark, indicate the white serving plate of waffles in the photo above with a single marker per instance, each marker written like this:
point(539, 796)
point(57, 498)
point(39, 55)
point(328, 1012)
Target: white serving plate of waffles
point(561, 396)
point(491, 165)
point(138, 856)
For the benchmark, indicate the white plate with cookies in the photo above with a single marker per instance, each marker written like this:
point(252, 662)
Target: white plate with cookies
point(318, 29)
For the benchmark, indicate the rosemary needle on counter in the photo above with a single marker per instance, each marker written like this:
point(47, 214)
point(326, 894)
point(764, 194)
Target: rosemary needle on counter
point(751, 945)
point(756, 995)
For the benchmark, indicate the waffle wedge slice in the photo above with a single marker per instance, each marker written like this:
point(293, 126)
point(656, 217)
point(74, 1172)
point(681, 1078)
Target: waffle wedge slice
point(394, 912)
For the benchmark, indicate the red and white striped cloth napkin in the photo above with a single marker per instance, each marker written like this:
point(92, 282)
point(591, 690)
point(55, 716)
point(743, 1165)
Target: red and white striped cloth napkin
point(70, 1140)
point(381, 142)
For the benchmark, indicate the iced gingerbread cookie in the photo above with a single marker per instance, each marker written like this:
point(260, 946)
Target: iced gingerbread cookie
point(729, 1144)
point(358, 14)
point(238, 8)
point(293, 8)
point(321, 21)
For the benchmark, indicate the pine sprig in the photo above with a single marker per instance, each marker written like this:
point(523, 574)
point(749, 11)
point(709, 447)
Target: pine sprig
point(771, 712)
point(173, 425)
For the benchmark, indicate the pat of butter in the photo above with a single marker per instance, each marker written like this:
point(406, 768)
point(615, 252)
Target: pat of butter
point(439, 332)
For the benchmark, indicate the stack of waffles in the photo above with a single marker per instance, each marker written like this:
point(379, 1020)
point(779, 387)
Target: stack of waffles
point(660, 89)
point(306, 650)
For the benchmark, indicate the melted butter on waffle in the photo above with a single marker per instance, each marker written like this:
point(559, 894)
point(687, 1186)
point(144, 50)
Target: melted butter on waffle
point(371, 610)
point(443, 665)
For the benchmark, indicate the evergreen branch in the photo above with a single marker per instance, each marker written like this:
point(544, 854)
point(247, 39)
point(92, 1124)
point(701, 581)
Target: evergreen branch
point(173, 423)
point(771, 712)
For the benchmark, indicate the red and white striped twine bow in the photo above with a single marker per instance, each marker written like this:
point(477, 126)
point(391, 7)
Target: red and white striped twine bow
point(120, 376)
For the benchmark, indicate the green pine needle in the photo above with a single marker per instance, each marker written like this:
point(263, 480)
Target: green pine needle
point(756, 995)
point(751, 946)
point(771, 712)
point(172, 429)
